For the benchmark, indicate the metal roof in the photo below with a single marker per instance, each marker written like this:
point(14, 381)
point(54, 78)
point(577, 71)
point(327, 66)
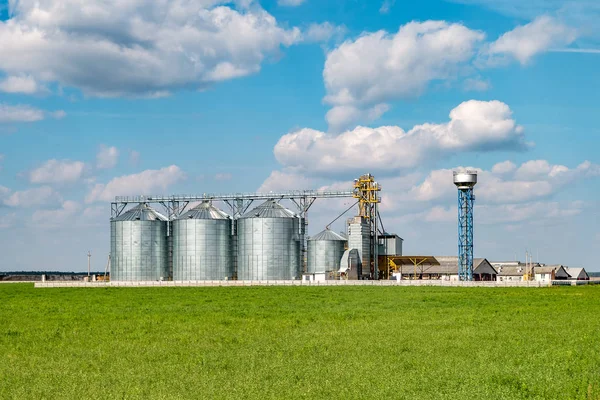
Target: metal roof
point(141, 212)
point(511, 270)
point(452, 261)
point(514, 268)
point(328, 235)
point(204, 210)
point(269, 209)
point(412, 260)
point(438, 265)
point(577, 272)
point(547, 269)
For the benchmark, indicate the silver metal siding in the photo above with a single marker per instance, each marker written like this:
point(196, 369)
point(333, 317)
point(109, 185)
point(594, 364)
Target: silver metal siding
point(139, 250)
point(202, 249)
point(359, 237)
point(324, 255)
point(268, 248)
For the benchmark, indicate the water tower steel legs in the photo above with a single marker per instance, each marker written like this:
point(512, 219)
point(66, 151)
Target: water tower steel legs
point(465, 234)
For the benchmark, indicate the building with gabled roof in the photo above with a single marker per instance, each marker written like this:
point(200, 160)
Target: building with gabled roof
point(551, 273)
point(577, 274)
point(446, 268)
point(513, 270)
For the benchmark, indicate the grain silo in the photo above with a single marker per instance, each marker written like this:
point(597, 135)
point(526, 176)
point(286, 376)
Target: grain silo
point(268, 243)
point(325, 251)
point(202, 245)
point(138, 245)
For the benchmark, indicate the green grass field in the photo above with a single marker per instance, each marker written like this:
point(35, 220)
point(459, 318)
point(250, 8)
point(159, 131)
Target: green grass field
point(299, 342)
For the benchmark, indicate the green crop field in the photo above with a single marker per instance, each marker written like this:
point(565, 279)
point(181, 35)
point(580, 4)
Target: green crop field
point(299, 342)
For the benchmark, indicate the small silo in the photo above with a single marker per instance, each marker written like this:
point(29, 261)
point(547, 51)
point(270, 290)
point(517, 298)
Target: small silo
point(139, 245)
point(325, 251)
point(268, 243)
point(202, 245)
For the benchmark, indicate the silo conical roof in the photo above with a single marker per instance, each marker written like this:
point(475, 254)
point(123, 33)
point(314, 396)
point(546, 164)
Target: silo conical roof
point(328, 234)
point(141, 212)
point(204, 210)
point(269, 209)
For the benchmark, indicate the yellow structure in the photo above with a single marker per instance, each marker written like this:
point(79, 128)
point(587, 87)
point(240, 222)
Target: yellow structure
point(396, 262)
point(366, 191)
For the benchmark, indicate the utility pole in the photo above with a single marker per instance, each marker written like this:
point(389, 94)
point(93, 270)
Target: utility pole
point(89, 263)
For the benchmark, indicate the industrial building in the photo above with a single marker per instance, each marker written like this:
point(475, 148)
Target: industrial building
point(437, 268)
point(268, 241)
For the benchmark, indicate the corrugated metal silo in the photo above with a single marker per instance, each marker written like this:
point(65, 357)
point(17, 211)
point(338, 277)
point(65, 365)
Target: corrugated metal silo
point(268, 243)
point(202, 244)
point(139, 245)
point(325, 251)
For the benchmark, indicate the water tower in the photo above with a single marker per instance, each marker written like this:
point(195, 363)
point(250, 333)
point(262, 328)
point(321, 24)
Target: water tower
point(465, 182)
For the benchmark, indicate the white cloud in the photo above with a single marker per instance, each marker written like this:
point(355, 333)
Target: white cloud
point(24, 113)
point(281, 181)
point(60, 114)
point(340, 117)
point(476, 85)
point(62, 216)
point(95, 212)
point(386, 6)
point(290, 3)
point(540, 211)
point(138, 48)
point(500, 198)
point(505, 184)
point(526, 41)
point(575, 50)
point(507, 215)
point(4, 192)
point(39, 196)
point(142, 183)
point(20, 113)
point(21, 84)
point(8, 220)
point(324, 32)
point(580, 13)
point(58, 171)
point(433, 214)
point(107, 157)
point(379, 67)
point(473, 126)
point(504, 167)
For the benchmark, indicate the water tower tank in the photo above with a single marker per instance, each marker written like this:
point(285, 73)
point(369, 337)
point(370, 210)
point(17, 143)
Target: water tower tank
point(465, 180)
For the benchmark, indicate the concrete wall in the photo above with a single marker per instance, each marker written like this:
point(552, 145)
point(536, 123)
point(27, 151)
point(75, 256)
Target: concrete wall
point(306, 283)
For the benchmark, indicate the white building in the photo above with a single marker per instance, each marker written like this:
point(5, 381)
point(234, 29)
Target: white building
point(549, 273)
point(513, 271)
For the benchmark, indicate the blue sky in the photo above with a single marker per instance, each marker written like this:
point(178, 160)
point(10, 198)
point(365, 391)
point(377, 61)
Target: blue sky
point(133, 97)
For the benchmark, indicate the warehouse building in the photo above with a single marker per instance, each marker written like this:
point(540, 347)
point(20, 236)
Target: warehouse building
point(439, 268)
